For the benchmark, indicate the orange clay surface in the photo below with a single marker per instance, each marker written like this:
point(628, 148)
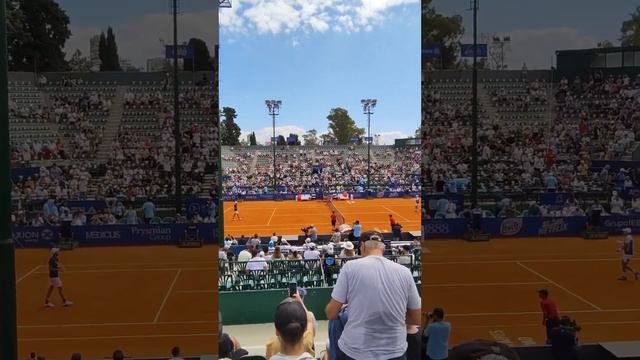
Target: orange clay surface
point(288, 217)
point(489, 289)
point(141, 300)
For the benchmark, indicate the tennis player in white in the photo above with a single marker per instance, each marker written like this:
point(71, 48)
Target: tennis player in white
point(54, 279)
point(626, 246)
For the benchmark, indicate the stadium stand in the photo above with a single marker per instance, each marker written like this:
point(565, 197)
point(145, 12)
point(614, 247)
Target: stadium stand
point(108, 136)
point(534, 137)
point(249, 170)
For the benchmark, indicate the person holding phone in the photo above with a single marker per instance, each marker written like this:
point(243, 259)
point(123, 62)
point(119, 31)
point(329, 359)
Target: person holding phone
point(294, 330)
point(437, 335)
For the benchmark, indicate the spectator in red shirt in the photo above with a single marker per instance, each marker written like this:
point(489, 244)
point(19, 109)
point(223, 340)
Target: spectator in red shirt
point(550, 317)
point(333, 219)
point(392, 221)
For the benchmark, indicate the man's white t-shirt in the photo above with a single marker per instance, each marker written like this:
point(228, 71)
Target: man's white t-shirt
point(280, 356)
point(244, 256)
point(311, 255)
point(378, 292)
point(256, 264)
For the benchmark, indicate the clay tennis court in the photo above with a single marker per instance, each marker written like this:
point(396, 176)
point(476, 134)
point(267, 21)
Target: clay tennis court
point(489, 289)
point(142, 300)
point(288, 217)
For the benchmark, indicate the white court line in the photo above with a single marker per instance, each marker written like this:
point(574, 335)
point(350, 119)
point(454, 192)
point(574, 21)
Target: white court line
point(271, 217)
point(28, 274)
point(488, 284)
point(538, 312)
point(131, 270)
point(115, 337)
point(514, 261)
point(400, 216)
point(194, 322)
point(157, 263)
point(167, 295)
point(538, 324)
point(482, 256)
point(560, 286)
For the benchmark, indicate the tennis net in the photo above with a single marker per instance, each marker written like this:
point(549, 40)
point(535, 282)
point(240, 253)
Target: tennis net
point(339, 217)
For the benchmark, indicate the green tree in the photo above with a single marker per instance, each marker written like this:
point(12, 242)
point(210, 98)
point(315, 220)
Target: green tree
point(201, 57)
point(310, 137)
point(229, 130)
point(605, 44)
point(631, 30)
point(79, 63)
point(444, 30)
point(37, 32)
point(108, 52)
point(102, 50)
point(342, 127)
point(252, 139)
point(16, 32)
point(328, 139)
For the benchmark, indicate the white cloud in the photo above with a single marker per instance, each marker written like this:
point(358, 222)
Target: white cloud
point(263, 135)
point(140, 40)
point(287, 16)
point(389, 137)
point(230, 18)
point(537, 47)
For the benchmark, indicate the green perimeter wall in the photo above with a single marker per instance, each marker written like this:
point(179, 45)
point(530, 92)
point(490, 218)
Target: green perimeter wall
point(258, 307)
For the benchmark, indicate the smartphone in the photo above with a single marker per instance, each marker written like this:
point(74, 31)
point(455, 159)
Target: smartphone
point(293, 289)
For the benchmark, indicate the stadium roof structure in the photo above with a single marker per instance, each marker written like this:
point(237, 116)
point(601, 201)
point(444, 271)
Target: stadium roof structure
point(224, 3)
point(609, 61)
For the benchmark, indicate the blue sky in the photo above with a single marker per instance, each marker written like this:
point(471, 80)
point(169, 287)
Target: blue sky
point(320, 54)
point(139, 24)
point(540, 27)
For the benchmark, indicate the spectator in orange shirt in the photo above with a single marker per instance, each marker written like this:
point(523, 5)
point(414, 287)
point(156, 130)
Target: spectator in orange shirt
point(550, 317)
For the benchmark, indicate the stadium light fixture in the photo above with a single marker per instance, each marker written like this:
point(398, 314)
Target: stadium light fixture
point(367, 107)
point(274, 110)
point(502, 41)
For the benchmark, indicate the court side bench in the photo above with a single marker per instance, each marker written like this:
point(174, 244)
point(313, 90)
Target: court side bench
point(627, 350)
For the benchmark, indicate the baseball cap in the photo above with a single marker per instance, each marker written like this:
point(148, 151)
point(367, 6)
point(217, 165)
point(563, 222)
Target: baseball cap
point(290, 320)
point(482, 350)
point(372, 235)
point(626, 230)
point(55, 251)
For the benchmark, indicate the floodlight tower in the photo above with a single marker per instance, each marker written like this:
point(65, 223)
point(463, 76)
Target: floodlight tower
point(274, 110)
point(367, 107)
point(502, 41)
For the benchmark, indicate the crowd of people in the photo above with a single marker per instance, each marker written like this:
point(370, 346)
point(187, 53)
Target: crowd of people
point(317, 169)
point(140, 165)
point(79, 116)
point(590, 120)
point(117, 355)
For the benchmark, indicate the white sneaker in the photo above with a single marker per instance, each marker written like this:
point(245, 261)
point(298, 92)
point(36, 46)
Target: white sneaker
point(68, 303)
point(49, 305)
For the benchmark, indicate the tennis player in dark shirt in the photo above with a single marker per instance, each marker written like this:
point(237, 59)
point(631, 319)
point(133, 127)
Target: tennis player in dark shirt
point(54, 279)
